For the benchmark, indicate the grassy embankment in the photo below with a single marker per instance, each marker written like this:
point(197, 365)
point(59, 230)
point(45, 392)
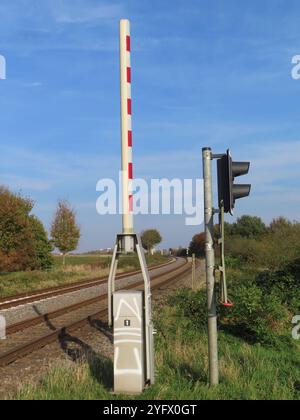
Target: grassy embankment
point(258, 360)
point(77, 268)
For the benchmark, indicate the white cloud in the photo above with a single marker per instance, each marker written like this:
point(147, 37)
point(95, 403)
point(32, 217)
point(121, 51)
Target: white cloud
point(271, 164)
point(31, 26)
point(25, 183)
point(274, 162)
point(273, 170)
point(32, 84)
point(82, 12)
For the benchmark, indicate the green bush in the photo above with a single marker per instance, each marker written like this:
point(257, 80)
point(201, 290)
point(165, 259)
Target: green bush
point(278, 281)
point(232, 262)
point(248, 227)
point(256, 316)
point(272, 250)
point(246, 250)
point(285, 283)
point(191, 305)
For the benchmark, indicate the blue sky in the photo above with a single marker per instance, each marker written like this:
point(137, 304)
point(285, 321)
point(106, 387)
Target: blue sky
point(214, 73)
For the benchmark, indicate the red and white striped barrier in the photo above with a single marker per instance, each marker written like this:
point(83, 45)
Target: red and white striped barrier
point(126, 126)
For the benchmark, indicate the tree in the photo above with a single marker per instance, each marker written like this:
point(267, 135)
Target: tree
point(150, 238)
point(197, 245)
point(65, 232)
point(279, 224)
point(181, 252)
point(21, 234)
point(228, 229)
point(42, 245)
point(249, 227)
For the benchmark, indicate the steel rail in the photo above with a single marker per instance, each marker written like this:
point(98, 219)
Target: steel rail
point(22, 299)
point(38, 343)
point(20, 326)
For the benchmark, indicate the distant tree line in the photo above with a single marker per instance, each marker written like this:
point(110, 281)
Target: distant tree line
point(251, 240)
point(24, 244)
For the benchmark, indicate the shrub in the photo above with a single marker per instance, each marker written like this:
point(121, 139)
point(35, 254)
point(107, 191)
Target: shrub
point(285, 283)
point(247, 250)
point(191, 305)
point(233, 262)
point(249, 227)
point(256, 316)
point(23, 240)
point(269, 248)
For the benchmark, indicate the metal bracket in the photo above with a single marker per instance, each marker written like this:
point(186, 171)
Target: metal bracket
point(217, 155)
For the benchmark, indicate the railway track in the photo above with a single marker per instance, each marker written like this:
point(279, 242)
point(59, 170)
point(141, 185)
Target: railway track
point(65, 327)
point(24, 298)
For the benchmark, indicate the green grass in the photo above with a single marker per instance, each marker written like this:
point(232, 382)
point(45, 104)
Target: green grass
point(77, 268)
point(81, 259)
point(104, 260)
point(249, 372)
point(26, 282)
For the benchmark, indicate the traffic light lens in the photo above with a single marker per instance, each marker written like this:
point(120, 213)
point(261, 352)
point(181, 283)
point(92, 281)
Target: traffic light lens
point(240, 190)
point(239, 168)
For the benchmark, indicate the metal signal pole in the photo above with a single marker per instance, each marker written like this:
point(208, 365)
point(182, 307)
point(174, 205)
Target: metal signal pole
point(193, 271)
point(210, 268)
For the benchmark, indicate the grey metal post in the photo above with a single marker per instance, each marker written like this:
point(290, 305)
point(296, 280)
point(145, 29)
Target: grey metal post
point(150, 371)
point(111, 283)
point(210, 268)
point(193, 271)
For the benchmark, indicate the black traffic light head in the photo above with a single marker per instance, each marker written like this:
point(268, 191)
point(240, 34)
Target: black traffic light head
point(228, 191)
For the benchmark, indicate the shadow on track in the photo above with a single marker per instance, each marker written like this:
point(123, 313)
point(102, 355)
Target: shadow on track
point(78, 351)
point(45, 317)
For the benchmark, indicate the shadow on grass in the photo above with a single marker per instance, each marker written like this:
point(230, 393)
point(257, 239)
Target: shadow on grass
point(189, 373)
point(270, 340)
point(101, 367)
point(241, 332)
point(297, 389)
